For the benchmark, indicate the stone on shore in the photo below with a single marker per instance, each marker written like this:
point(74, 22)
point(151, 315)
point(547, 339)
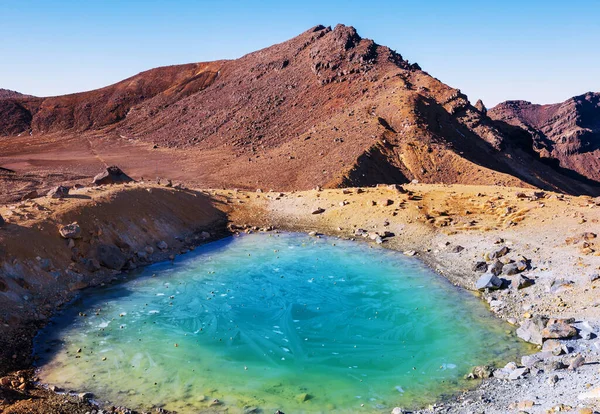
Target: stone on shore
point(480, 371)
point(553, 346)
point(489, 281)
point(558, 329)
point(111, 256)
point(496, 268)
point(531, 329)
point(162, 245)
point(480, 267)
point(576, 362)
point(500, 252)
point(522, 282)
point(70, 231)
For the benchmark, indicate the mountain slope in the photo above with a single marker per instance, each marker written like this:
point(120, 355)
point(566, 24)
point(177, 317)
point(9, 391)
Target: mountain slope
point(325, 108)
point(568, 132)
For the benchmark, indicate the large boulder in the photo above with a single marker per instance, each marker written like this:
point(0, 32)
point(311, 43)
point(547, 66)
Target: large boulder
point(112, 175)
point(111, 256)
point(58, 192)
point(531, 329)
point(558, 329)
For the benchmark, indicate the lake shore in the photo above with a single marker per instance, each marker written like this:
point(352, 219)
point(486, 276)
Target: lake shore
point(451, 228)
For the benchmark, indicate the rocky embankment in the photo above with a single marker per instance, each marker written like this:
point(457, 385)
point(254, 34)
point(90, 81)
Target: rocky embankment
point(532, 256)
point(53, 246)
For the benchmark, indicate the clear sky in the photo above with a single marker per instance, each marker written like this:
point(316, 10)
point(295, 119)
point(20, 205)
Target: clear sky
point(541, 51)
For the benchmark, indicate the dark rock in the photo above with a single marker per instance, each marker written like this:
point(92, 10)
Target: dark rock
point(30, 195)
point(58, 192)
point(489, 281)
point(480, 267)
point(92, 265)
point(2, 222)
point(85, 396)
point(111, 256)
point(457, 249)
point(162, 245)
point(70, 231)
point(496, 268)
point(594, 277)
point(318, 211)
point(45, 264)
point(500, 252)
point(112, 175)
point(511, 269)
point(522, 282)
point(481, 107)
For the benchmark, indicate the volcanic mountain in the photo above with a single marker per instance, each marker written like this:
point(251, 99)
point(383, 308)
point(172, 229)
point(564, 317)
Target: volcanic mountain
point(326, 108)
point(568, 132)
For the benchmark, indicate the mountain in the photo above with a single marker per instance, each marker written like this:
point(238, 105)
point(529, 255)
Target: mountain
point(325, 108)
point(7, 93)
point(568, 132)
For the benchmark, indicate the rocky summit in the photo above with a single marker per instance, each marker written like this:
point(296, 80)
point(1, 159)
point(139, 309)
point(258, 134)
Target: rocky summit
point(326, 108)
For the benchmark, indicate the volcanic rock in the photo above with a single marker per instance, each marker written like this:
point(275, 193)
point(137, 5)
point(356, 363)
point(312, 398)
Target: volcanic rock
point(110, 256)
point(480, 267)
point(558, 329)
point(112, 175)
point(70, 231)
point(489, 281)
point(58, 192)
point(531, 329)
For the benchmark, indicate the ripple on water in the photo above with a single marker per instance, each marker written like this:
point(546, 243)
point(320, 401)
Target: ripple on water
point(277, 322)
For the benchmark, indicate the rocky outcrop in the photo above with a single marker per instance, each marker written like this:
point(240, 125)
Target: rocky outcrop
point(112, 175)
point(46, 266)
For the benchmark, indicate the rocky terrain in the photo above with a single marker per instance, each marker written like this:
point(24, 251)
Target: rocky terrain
point(567, 133)
point(535, 265)
point(325, 108)
point(327, 133)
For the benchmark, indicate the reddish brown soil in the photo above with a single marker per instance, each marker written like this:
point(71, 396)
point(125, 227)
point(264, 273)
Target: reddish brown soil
point(325, 108)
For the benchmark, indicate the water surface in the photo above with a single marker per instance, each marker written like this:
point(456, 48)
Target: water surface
point(277, 321)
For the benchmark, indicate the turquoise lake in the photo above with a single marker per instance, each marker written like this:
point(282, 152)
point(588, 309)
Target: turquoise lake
point(275, 321)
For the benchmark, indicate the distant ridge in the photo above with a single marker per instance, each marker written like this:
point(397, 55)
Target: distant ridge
point(568, 132)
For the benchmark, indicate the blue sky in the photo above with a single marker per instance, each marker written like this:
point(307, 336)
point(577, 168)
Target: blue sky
point(541, 51)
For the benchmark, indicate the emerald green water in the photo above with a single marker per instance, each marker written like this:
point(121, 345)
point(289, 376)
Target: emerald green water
point(260, 320)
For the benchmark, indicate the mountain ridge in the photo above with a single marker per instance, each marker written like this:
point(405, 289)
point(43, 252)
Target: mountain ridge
point(325, 108)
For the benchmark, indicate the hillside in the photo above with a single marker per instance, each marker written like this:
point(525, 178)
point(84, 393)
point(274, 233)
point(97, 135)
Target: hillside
point(568, 132)
point(325, 108)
